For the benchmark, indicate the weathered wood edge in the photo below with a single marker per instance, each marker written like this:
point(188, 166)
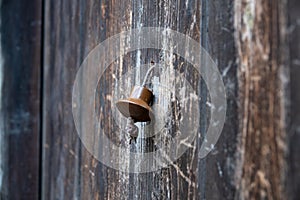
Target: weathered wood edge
point(20, 99)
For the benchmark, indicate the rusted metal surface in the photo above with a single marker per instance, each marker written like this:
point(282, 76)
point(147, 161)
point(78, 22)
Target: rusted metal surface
point(137, 106)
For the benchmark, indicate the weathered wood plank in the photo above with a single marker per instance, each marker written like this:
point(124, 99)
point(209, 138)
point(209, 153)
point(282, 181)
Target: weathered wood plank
point(293, 123)
point(66, 29)
point(20, 98)
point(257, 154)
point(72, 30)
point(217, 177)
point(251, 150)
point(260, 34)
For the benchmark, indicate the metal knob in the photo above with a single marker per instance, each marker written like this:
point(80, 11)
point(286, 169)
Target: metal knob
point(137, 106)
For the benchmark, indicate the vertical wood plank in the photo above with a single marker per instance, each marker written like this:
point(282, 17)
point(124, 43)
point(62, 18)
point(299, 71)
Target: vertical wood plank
point(66, 29)
point(72, 29)
point(260, 139)
point(20, 98)
point(260, 34)
point(251, 149)
point(293, 158)
point(217, 170)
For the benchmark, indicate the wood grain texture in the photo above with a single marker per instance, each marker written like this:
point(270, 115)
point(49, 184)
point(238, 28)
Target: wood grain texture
point(93, 180)
point(216, 178)
point(261, 40)
point(293, 123)
point(256, 156)
point(20, 99)
point(72, 29)
point(246, 169)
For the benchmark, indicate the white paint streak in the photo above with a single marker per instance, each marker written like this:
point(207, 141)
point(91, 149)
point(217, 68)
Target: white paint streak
point(228, 67)
point(220, 169)
point(193, 22)
point(178, 170)
point(186, 3)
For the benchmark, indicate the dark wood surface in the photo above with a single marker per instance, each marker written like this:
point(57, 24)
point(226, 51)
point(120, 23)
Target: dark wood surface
point(255, 45)
point(20, 99)
point(293, 124)
point(72, 29)
point(217, 177)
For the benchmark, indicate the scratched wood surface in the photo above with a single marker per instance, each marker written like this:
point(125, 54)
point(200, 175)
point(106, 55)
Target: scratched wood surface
point(255, 45)
point(188, 178)
point(72, 29)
